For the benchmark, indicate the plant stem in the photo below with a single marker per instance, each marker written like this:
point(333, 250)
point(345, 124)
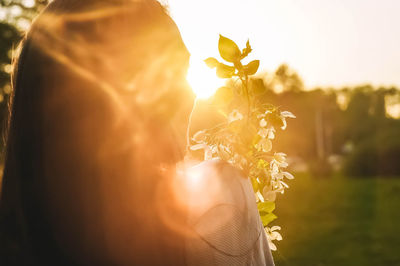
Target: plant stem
point(245, 82)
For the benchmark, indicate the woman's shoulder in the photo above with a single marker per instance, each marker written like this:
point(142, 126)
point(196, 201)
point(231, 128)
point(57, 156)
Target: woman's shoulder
point(218, 169)
point(224, 218)
point(216, 186)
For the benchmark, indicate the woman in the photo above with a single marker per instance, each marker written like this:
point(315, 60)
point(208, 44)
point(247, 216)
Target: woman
point(96, 132)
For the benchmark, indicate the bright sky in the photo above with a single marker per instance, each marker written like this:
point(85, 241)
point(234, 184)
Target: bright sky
point(328, 42)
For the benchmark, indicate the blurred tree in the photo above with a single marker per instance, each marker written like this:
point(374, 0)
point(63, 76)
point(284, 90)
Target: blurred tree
point(374, 135)
point(358, 110)
point(15, 18)
point(9, 36)
point(329, 119)
point(286, 79)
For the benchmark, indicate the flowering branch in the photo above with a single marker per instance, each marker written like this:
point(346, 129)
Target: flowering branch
point(245, 138)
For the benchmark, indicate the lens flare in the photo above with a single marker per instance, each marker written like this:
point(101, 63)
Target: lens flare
point(202, 79)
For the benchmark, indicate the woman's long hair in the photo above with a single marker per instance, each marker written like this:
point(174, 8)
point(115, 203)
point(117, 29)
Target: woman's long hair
point(98, 99)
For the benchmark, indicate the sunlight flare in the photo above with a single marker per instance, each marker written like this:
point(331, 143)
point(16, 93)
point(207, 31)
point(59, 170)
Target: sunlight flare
point(202, 79)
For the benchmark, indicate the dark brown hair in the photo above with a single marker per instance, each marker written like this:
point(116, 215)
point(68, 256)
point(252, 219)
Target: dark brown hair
point(97, 90)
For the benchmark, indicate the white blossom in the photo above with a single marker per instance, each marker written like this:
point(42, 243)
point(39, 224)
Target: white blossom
point(264, 145)
point(238, 160)
point(283, 116)
point(259, 197)
point(208, 154)
point(279, 160)
point(267, 133)
point(234, 116)
point(264, 114)
point(199, 137)
point(223, 152)
point(287, 114)
point(273, 235)
point(268, 194)
point(263, 123)
point(288, 175)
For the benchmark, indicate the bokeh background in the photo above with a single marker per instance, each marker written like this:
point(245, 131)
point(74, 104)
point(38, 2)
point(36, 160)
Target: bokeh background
point(336, 66)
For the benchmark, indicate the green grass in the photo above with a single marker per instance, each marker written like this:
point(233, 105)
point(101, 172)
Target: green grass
point(339, 221)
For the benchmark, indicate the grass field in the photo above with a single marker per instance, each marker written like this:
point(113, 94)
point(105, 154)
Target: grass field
point(339, 221)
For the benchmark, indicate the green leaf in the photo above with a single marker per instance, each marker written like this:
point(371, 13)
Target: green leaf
point(223, 96)
point(257, 86)
point(252, 67)
point(255, 184)
point(262, 164)
point(211, 62)
point(225, 71)
point(267, 218)
point(266, 207)
point(275, 119)
point(248, 45)
point(228, 49)
point(247, 50)
point(247, 133)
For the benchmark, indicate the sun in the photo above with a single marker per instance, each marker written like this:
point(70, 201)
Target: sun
point(202, 79)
